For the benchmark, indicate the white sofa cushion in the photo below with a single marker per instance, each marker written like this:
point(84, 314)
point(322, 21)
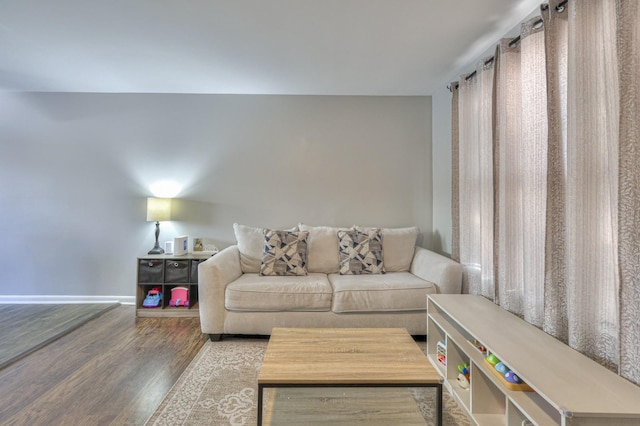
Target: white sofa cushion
point(395, 291)
point(252, 292)
point(250, 244)
point(323, 255)
point(398, 245)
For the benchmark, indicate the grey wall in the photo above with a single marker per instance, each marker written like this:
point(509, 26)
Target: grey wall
point(441, 146)
point(76, 169)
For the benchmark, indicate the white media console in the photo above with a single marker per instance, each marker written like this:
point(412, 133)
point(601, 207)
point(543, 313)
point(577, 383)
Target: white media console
point(568, 387)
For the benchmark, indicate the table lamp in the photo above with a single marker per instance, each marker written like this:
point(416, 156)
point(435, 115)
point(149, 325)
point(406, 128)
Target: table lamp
point(158, 209)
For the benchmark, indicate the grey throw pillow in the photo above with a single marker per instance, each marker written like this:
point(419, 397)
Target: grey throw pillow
point(285, 253)
point(361, 252)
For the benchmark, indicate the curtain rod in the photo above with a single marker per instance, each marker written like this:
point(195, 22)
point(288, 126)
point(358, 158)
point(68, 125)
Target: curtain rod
point(487, 62)
point(559, 8)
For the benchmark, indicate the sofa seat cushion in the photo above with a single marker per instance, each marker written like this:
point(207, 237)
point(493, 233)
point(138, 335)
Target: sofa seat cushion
point(394, 291)
point(252, 292)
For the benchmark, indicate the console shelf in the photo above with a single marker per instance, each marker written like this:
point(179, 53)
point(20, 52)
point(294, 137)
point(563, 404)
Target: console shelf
point(166, 272)
point(568, 387)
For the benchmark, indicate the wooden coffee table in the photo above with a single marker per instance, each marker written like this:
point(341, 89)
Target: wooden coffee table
point(345, 357)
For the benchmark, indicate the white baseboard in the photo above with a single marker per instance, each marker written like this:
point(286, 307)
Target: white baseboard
point(43, 299)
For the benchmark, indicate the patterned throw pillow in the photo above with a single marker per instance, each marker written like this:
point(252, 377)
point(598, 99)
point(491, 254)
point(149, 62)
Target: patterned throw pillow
point(361, 252)
point(285, 253)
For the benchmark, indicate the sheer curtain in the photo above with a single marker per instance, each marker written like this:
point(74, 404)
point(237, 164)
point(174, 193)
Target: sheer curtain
point(521, 155)
point(592, 180)
point(629, 188)
point(556, 52)
point(475, 180)
point(565, 155)
point(509, 270)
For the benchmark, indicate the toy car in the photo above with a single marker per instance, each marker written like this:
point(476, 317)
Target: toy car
point(153, 299)
point(179, 297)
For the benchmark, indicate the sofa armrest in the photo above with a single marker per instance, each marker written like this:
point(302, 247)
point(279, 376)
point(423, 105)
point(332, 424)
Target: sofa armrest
point(438, 269)
point(213, 277)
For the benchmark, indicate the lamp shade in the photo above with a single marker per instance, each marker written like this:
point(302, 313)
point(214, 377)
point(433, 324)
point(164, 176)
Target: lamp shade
point(158, 209)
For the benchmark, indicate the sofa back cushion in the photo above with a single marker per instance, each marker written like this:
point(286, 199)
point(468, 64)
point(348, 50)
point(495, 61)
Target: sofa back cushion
point(251, 247)
point(323, 255)
point(250, 244)
point(399, 245)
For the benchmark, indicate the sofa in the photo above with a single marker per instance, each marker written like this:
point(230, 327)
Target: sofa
point(321, 276)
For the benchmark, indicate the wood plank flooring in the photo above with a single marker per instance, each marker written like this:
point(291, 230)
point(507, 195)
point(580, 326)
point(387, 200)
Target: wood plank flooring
point(27, 328)
point(113, 370)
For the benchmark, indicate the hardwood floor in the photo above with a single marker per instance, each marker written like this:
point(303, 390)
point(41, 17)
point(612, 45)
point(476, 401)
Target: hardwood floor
point(114, 370)
point(27, 328)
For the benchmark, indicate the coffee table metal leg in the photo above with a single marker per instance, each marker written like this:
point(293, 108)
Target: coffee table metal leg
point(438, 387)
point(439, 402)
point(259, 407)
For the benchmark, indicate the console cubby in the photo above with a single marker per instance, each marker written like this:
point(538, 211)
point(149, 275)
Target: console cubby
point(436, 335)
point(515, 417)
point(455, 357)
point(566, 387)
point(488, 402)
point(167, 272)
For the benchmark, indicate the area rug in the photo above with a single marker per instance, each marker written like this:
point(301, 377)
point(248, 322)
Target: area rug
point(26, 328)
point(219, 387)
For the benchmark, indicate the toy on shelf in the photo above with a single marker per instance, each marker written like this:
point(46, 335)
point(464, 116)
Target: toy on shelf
point(492, 359)
point(479, 346)
point(463, 381)
point(464, 378)
point(502, 367)
point(442, 352)
point(153, 299)
point(179, 297)
point(509, 379)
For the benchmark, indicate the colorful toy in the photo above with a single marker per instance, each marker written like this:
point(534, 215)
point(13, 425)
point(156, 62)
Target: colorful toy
point(479, 346)
point(441, 348)
point(464, 378)
point(179, 297)
point(153, 299)
point(492, 359)
point(511, 377)
point(502, 368)
point(463, 381)
point(508, 378)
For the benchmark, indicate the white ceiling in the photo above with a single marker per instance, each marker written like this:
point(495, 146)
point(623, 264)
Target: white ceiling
point(324, 47)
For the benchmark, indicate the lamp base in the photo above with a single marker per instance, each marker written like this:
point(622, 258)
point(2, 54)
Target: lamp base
point(156, 249)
